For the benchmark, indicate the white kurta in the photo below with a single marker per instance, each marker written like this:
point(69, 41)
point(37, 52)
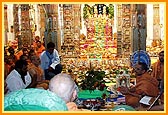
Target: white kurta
point(15, 82)
point(45, 59)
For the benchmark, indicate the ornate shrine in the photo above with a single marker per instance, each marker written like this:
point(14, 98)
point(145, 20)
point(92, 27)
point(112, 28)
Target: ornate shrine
point(99, 42)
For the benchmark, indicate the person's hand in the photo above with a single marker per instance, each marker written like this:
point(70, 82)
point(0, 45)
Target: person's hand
point(72, 106)
point(124, 90)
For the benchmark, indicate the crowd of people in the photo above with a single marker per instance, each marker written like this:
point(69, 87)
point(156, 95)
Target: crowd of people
point(34, 62)
point(40, 67)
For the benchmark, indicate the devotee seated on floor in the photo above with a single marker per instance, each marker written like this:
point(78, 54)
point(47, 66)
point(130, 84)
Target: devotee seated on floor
point(145, 86)
point(23, 51)
point(8, 65)
point(50, 61)
point(63, 85)
point(31, 52)
point(12, 54)
point(24, 57)
point(33, 99)
point(158, 71)
point(158, 67)
point(36, 39)
point(40, 48)
point(36, 72)
point(19, 78)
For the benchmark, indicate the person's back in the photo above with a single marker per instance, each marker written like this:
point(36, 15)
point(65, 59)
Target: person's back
point(63, 85)
point(33, 99)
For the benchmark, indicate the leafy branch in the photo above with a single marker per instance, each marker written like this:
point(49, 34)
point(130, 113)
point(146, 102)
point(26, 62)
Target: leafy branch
point(92, 80)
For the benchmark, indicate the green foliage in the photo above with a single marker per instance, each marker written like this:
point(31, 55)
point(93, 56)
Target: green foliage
point(92, 80)
point(85, 10)
point(111, 11)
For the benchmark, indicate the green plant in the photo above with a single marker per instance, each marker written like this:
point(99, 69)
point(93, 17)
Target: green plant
point(92, 80)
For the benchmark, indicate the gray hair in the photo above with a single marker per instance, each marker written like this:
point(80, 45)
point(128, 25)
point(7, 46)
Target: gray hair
point(63, 85)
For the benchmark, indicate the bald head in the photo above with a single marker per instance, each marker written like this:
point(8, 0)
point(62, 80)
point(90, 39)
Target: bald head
point(63, 85)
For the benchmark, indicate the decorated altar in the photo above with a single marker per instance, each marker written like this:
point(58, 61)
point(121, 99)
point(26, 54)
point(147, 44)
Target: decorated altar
point(99, 42)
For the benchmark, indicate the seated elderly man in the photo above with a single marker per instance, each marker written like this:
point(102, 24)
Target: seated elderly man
point(63, 85)
point(36, 72)
point(145, 85)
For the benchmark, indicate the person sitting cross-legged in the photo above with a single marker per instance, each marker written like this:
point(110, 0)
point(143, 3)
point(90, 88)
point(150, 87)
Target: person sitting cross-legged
point(146, 85)
point(50, 61)
point(19, 77)
point(36, 72)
